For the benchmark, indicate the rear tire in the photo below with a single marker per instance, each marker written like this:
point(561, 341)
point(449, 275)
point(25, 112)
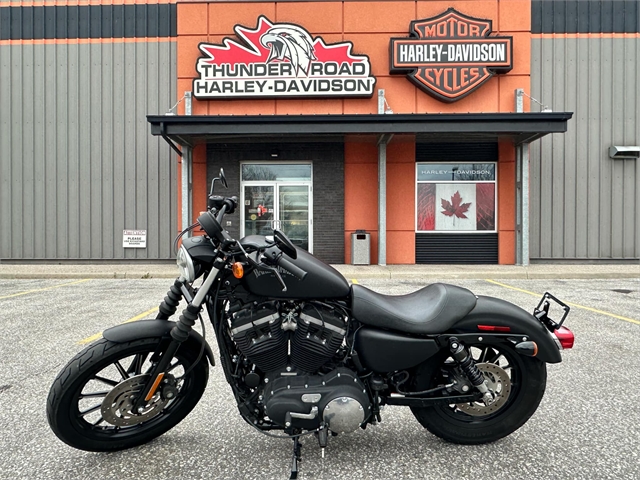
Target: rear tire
point(75, 406)
point(527, 378)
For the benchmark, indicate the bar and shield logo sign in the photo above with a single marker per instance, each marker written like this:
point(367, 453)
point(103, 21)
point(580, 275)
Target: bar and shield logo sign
point(450, 55)
point(280, 60)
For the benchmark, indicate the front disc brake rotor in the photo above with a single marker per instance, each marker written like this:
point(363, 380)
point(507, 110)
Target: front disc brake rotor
point(499, 384)
point(118, 404)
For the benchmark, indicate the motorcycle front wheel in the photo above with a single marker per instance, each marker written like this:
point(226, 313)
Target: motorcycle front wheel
point(517, 382)
point(90, 402)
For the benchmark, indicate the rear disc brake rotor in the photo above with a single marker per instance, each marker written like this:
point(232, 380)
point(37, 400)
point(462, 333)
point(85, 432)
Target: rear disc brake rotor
point(118, 404)
point(499, 384)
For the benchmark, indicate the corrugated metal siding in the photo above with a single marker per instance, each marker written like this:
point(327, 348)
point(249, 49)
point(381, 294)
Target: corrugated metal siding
point(87, 21)
point(585, 16)
point(78, 164)
point(585, 205)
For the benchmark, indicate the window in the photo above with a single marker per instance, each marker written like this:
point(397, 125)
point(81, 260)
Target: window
point(456, 197)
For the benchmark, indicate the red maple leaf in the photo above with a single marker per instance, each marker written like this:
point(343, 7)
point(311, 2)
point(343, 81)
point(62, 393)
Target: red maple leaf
point(455, 207)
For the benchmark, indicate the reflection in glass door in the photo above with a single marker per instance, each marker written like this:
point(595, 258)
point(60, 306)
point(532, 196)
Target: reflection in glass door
point(278, 196)
point(259, 209)
point(293, 213)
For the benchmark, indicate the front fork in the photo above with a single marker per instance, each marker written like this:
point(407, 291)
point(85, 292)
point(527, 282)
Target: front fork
point(180, 332)
point(465, 361)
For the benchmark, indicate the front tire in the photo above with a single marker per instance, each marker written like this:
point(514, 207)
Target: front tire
point(86, 407)
point(523, 379)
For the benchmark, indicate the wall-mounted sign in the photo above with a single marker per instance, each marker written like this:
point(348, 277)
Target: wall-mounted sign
point(134, 239)
point(451, 55)
point(281, 60)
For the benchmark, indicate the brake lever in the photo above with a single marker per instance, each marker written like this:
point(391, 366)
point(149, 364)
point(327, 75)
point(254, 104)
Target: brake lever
point(263, 266)
point(275, 270)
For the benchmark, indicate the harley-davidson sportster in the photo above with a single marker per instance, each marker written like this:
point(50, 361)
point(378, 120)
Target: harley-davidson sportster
point(306, 353)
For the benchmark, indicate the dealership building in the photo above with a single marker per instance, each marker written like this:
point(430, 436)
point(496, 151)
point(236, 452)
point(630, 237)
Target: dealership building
point(477, 131)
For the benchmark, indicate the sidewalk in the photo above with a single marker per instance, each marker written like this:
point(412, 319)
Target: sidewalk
point(396, 272)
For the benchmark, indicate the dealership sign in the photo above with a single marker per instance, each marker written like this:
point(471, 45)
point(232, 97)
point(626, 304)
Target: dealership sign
point(451, 55)
point(280, 60)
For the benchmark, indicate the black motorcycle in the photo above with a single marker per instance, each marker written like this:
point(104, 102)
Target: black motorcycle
point(305, 353)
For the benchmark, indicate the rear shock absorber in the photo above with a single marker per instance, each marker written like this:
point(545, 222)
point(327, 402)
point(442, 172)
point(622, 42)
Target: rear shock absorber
point(465, 361)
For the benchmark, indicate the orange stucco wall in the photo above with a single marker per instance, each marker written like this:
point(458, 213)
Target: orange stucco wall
point(369, 26)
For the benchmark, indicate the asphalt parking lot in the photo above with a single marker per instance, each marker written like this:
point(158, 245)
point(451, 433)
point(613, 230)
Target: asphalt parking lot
point(587, 427)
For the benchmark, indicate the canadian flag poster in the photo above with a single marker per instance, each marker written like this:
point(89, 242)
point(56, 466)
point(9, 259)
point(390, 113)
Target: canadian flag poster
point(456, 206)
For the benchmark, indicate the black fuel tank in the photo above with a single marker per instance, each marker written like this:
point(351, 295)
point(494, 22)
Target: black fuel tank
point(322, 280)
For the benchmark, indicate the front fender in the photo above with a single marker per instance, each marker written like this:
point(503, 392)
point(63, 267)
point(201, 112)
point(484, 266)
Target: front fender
point(152, 329)
point(493, 311)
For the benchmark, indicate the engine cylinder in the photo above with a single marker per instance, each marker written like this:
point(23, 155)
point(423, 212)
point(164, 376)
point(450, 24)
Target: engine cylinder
point(319, 334)
point(259, 336)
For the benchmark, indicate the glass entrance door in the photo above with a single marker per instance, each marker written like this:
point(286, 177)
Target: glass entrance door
point(293, 213)
point(278, 196)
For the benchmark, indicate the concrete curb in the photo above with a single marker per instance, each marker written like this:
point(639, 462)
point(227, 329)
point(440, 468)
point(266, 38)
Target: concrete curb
point(391, 272)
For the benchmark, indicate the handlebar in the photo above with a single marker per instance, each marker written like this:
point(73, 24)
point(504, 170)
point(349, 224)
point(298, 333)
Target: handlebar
point(291, 267)
point(279, 259)
point(212, 225)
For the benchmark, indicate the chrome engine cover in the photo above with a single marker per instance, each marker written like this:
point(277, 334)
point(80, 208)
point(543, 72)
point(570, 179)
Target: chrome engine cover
point(343, 414)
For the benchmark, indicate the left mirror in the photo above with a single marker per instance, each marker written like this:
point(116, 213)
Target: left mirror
point(221, 178)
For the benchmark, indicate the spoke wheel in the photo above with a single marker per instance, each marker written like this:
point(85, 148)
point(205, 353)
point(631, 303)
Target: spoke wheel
point(517, 383)
point(90, 404)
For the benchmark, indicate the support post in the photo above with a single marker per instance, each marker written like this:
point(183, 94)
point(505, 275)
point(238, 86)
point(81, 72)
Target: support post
point(382, 200)
point(185, 171)
point(382, 188)
point(187, 103)
point(522, 192)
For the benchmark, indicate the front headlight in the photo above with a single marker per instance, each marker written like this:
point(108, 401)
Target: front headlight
point(185, 264)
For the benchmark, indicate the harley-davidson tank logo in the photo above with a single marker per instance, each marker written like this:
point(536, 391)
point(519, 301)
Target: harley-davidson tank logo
point(281, 60)
point(450, 55)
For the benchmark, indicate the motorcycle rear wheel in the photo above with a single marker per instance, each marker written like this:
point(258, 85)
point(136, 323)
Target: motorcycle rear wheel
point(472, 424)
point(97, 380)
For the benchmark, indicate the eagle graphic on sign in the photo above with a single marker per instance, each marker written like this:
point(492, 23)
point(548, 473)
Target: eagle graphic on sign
point(292, 43)
point(450, 55)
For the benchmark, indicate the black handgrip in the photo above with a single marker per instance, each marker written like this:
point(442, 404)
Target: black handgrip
point(291, 267)
point(231, 203)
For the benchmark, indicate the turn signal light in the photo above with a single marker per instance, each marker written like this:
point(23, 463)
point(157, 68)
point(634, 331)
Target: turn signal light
point(154, 387)
point(238, 270)
point(565, 337)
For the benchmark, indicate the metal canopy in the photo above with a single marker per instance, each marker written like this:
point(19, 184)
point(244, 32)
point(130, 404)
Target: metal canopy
point(519, 127)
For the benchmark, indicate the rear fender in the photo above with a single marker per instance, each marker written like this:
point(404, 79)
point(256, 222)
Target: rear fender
point(493, 311)
point(128, 332)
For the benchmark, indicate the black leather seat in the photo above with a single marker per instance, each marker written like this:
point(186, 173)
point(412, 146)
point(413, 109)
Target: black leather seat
point(432, 309)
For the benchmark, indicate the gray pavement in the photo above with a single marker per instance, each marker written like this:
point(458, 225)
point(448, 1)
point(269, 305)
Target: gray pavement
point(415, 272)
point(587, 427)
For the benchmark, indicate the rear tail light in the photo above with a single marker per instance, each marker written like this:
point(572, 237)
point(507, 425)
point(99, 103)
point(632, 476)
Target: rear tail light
point(564, 336)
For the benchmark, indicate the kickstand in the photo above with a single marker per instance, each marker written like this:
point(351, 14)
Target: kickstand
point(296, 457)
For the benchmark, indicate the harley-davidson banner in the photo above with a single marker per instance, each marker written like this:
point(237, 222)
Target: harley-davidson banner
point(450, 55)
point(281, 60)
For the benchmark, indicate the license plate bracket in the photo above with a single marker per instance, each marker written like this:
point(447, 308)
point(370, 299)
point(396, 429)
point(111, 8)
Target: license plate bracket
point(541, 312)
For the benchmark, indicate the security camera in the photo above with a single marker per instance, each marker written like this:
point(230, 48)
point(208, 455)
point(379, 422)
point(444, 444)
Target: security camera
point(616, 152)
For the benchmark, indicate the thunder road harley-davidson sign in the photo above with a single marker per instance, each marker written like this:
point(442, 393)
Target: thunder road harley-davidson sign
point(280, 60)
point(451, 55)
